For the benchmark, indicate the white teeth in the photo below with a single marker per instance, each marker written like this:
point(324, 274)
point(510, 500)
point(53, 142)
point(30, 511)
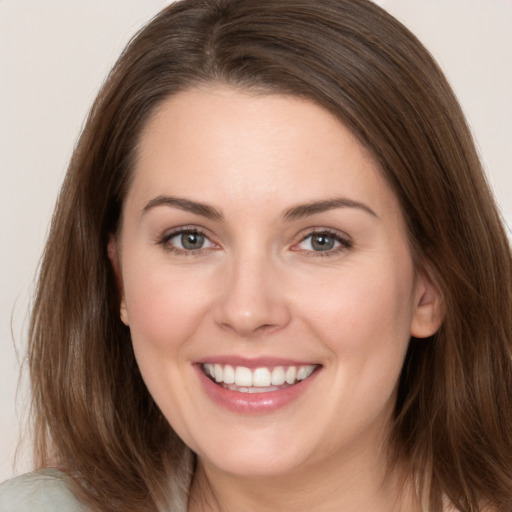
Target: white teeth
point(229, 374)
point(278, 378)
point(261, 379)
point(291, 373)
point(218, 373)
point(243, 376)
point(254, 389)
point(304, 372)
point(209, 369)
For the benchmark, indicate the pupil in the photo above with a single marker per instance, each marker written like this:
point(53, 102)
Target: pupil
point(192, 240)
point(322, 242)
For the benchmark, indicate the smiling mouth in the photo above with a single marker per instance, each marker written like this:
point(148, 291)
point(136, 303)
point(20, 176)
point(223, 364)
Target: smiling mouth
point(257, 380)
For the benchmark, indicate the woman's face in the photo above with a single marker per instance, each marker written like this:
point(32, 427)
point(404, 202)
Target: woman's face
point(261, 247)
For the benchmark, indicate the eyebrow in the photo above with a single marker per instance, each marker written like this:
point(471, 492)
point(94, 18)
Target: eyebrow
point(305, 210)
point(294, 213)
point(187, 205)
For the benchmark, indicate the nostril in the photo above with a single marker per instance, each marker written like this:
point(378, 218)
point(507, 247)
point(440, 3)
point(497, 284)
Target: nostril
point(251, 301)
point(248, 330)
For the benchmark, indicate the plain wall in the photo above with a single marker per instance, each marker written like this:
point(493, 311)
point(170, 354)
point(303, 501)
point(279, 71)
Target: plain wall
point(55, 54)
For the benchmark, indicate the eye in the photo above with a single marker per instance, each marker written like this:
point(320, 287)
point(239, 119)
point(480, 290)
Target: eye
point(187, 240)
point(323, 242)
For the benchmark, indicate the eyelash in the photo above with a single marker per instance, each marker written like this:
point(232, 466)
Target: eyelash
point(164, 241)
point(343, 242)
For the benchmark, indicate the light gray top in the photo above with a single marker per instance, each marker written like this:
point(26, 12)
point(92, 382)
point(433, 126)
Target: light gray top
point(47, 490)
point(42, 491)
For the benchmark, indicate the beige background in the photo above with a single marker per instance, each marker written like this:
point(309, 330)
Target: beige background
point(54, 54)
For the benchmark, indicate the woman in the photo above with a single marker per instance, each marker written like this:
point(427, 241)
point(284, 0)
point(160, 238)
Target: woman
point(287, 286)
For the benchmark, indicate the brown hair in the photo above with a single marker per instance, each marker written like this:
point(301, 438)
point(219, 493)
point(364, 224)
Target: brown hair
point(453, 423)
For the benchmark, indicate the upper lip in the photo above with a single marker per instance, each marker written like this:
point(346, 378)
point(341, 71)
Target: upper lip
point(256, 362)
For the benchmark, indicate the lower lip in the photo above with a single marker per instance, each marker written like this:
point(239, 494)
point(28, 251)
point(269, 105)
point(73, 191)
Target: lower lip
point(253, 403)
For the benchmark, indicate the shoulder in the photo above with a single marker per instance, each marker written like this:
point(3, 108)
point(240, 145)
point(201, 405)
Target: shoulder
point(42, 491)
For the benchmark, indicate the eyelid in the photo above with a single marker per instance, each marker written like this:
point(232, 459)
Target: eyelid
point(166, 236)
point(342, 238)
point(345, 242)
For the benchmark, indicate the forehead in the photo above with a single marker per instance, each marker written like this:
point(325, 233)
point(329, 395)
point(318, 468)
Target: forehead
point(226, 144)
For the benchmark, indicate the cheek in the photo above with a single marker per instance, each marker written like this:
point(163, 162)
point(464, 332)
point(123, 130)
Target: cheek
point(364, 320)
point(362, 308)
point(367, 336)
point(163, 304)
point(164, 310)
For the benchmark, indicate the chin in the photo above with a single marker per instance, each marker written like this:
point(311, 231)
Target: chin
point(256, 458)
point(257, 465)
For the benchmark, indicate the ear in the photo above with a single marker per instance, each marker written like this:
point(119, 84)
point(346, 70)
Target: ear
point(428, 311)
point(113, 255)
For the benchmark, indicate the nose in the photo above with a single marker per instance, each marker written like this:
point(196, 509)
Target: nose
point(252, 301)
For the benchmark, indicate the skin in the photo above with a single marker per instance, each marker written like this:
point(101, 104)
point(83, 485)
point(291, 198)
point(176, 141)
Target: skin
point(259, 287)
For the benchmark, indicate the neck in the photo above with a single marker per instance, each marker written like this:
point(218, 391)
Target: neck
point(352, 485)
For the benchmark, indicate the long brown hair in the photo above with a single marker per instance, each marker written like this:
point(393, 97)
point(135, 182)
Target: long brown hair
point(453, 423)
